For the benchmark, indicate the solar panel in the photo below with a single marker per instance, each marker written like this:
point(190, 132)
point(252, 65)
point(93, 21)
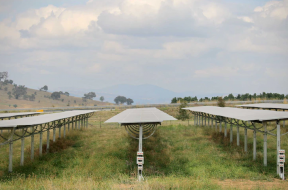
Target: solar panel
point(31, 121)
point(241, 114)
point(7, 115)
point(266, 106)
point(140, 115)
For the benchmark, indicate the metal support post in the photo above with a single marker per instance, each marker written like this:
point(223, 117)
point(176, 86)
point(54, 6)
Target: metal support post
point(231, 133)
point(22, 149)
point(11, 151)
point(64, 130)
point(265, 144)
point(40, 144)
point(254, 144)
point(140, 156)
point(220, 127)
point(238, 138)
point(208, 121)
point(87, 122)
point(225, 130)
point(32, 143)
point(60, 132)
point(48, 140)
point(202, 120)
point(79, 123)
point(54, 134)
point(245, 140)
point(69, 125)
point(278, 143)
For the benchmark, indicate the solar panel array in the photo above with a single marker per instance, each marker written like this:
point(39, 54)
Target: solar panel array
point(31, 121)
point(266, 106)
point(7, 115)
point(140, 115)
point(241, 114)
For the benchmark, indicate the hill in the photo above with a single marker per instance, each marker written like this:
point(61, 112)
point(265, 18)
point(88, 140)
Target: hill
point(141, 94)
point(42, 100)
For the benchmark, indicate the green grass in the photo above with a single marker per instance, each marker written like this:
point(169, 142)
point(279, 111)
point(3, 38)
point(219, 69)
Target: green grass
point(177, 156)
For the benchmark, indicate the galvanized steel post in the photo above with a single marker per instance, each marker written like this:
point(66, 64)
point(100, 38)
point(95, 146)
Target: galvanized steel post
point(40, 144)
point(238, 138)
point(60, 131)
point(254, 144)
point(278, 143)
point(22, 149)
point(225, 130)
point(64, 130)
point(231, 133)
point(48, 141)
point(245, 140)
point(265, 143)
point(220, 127)
point(11, 151)
point(32, 143)
point(54, 134)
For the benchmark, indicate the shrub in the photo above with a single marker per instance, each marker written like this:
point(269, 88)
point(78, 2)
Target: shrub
point(221, 102)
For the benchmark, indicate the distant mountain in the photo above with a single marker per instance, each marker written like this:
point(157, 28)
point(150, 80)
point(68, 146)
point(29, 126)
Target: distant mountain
point(141, 94)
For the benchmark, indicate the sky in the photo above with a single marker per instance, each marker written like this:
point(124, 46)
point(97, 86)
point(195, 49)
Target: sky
point(218, 46)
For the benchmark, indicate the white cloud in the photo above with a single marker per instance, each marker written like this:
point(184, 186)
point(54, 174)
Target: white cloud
point(176, 41)
point(216, 72)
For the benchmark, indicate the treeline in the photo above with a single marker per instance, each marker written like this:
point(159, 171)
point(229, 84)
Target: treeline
point(239, 97)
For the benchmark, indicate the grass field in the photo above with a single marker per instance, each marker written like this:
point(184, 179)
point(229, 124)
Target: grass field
point(41, 101)
point(177, 156)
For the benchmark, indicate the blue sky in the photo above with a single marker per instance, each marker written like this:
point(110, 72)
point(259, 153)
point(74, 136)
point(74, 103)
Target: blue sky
point(204, 46)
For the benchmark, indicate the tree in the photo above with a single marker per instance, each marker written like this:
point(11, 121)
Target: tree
point(221, 102)
point(120, 99)
point(102, 98)
point(174, 100)
point(32, 97)
point(90, 95)
point(182, 114)
point(55, 95)
point(3, 75)
point(9, 94)
point(15, 105)
point(66, 93)
point(5, 88)
point(19, 91)
point(231, 97)
point(129, 101)
point(74, 101)
point(45, 88)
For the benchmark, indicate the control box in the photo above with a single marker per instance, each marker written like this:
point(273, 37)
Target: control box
point(281, 161)
point(140, 158)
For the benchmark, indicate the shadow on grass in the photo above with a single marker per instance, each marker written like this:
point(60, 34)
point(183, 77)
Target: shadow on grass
point(56, 152)
point(238, 153)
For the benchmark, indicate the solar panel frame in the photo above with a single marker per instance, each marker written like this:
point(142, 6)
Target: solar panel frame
point(38, 120)
point(140, 115)
point(266, 106)
point(8, 115)
point(241, 114)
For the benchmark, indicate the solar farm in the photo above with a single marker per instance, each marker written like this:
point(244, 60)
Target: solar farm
point(241, 147)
